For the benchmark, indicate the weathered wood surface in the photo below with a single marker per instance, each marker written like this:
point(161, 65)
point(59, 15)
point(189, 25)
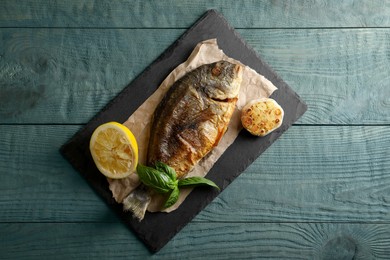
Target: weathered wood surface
point(316, 173)
point(343, 75)
point(325, 241)
point(320, 192)
point(181, 14)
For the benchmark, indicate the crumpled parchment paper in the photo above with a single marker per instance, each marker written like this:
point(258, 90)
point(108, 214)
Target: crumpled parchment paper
point(253, 86)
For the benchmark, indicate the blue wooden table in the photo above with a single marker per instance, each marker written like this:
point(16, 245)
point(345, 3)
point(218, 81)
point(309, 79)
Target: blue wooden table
point(322, 191)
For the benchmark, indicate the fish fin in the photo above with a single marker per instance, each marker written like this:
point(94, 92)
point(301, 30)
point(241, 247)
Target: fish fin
point(137, 202)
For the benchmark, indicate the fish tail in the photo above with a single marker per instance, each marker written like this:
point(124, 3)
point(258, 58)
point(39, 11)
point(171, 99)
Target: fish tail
point(137, 202)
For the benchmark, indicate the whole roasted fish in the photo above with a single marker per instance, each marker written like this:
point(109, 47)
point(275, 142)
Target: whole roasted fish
point(189, 122)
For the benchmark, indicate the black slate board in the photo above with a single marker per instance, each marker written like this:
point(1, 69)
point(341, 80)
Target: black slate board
point(158, 228)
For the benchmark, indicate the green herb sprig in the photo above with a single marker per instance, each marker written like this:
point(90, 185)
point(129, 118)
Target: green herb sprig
point(162, 178)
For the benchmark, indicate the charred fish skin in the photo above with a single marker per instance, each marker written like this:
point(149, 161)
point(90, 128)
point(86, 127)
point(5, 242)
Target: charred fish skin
point(188, 123)
point(194, 115)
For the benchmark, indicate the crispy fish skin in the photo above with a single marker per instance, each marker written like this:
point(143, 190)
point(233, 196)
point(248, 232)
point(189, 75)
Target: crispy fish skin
point(194, 115)
point(188, 123)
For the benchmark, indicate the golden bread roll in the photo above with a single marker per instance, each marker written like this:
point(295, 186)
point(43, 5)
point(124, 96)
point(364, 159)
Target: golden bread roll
point(262, 116)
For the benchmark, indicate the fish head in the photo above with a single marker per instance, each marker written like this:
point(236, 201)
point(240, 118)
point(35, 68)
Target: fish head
point(223, 80)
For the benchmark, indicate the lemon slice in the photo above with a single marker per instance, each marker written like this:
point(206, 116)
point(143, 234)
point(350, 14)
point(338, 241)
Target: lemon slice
point(114, 150)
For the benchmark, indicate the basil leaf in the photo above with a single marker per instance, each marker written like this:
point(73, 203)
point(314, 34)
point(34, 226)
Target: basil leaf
point(196, 181)
point(167, 169)
point(159, 181)
point(173, 197)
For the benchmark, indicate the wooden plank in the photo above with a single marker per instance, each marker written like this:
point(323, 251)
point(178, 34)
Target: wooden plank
point(38, 184)
point(216, 240)
point(60, 71)
point(313, 173)
point(67, 75)
point(173, 14)
point(64, 71)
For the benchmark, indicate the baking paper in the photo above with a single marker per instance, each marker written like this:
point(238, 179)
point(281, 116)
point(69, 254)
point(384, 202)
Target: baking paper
point(253, 86)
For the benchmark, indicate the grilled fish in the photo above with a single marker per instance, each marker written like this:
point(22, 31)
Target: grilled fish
point(190, 121)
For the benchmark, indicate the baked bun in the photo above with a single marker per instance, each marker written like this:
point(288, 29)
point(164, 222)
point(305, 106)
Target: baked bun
point(262, 116)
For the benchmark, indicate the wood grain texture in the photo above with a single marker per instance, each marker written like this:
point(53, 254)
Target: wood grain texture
point(174, 14)
point(60, 71)
point(199, 240)
point(67, 75)
point(312, 173)
point(38, 184)
point(319, 192)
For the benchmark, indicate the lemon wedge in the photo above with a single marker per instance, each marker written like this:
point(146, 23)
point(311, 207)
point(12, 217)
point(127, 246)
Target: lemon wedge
point(114, 150)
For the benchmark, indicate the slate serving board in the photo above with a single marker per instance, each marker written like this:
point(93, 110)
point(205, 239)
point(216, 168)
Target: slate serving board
point(158, 228)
